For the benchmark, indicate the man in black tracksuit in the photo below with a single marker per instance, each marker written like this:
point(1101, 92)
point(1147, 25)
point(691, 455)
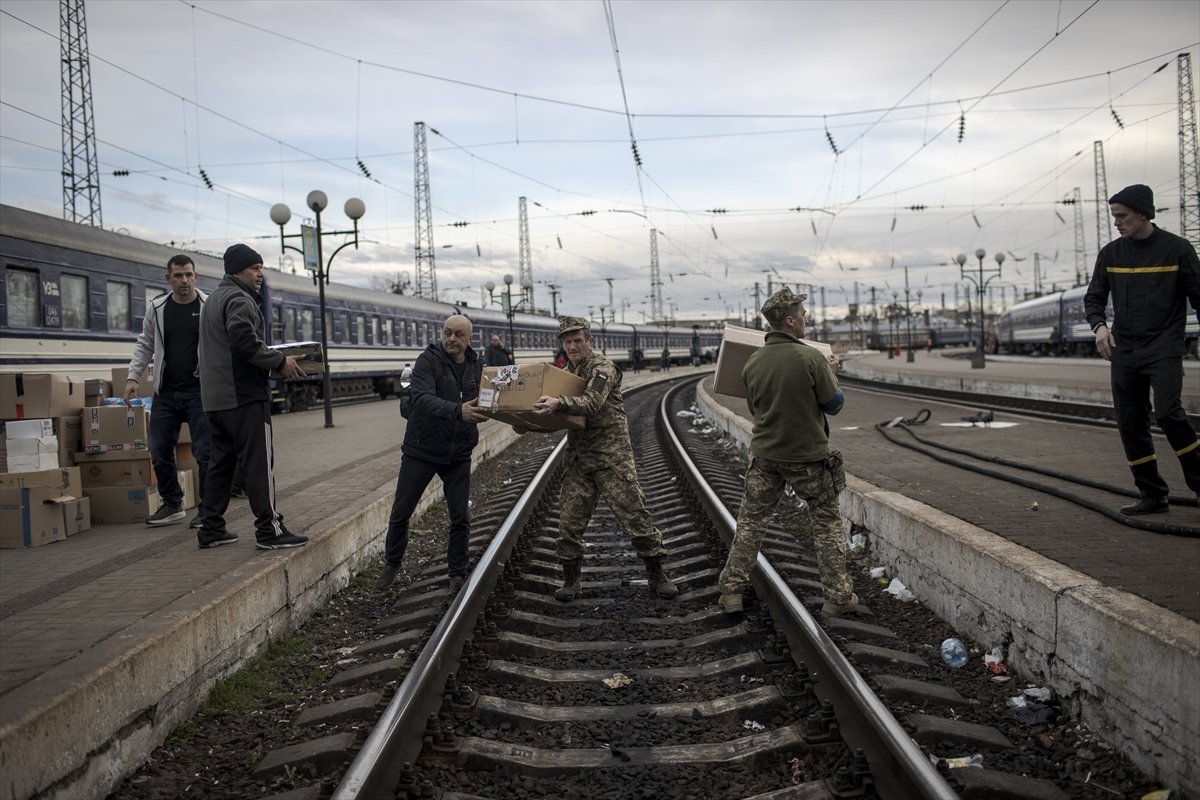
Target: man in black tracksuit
point(1151, 275)
point(438, 440)
point(235, 368)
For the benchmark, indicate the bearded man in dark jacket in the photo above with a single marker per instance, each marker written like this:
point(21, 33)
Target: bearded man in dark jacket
point(438, 440)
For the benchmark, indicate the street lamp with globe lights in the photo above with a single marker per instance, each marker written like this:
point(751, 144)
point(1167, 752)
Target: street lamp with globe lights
point(506, 303)
point(315, 262)
point(978, 360)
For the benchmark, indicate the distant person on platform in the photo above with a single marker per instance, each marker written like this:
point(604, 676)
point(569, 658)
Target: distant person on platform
point(169, 342)
point(1151, 275)
point(441, 432)
point(599, 462)
point(666, 359)
point(495, 354)
point(235, 367)
point(790, 387)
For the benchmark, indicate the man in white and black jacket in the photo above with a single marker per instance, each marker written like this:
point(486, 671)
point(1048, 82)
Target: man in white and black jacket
point(169, 344)
point(235, 367)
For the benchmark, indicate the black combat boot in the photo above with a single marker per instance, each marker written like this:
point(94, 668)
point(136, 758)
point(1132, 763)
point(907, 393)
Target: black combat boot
point(659, 582)
point(570, 588)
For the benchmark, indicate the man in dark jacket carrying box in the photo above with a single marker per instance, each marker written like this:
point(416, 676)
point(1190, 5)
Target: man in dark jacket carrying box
point(438, 440)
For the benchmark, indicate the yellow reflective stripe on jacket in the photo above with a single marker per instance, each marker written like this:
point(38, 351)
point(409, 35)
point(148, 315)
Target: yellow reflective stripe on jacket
point(1142, 270)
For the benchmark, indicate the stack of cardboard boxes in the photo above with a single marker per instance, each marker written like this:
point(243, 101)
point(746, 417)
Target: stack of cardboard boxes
point(41, 497)
point(72, 462)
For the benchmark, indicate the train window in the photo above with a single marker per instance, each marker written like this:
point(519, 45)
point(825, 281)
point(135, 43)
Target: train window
point(360, 329)
point(120, 317)
point(375, 331)
point(387, 333)
point(408, 334)
point(22, 298)
point(306, 324)
point(75, 312)
point(289, 324)
point(344, 325)
point(328, 323)
point(276, 323)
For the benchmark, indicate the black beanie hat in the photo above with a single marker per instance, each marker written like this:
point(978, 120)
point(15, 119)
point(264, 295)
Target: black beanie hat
point(1139, 197)
point(238, 257)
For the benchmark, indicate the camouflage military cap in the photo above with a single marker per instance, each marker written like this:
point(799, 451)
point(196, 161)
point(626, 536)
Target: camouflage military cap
point(778, 303)
point(570, 324)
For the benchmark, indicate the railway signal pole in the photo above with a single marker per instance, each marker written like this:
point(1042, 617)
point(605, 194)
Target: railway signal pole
point(315, 262)
point(978, 360)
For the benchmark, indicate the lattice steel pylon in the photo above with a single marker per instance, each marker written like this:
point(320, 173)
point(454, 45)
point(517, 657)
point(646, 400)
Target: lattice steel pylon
point(1080, 244)
point(1102, 235)
point(524, 261)
point(1189, 158)
point(80, 170)
point(656, 301)
point(425, 283)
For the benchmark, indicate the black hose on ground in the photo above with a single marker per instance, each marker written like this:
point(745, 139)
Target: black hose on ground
point(1132, 522)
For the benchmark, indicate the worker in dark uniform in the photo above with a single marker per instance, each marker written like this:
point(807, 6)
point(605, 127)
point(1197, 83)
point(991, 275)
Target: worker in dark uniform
point(1151, 275)
point(599, 461)
point(790, 388)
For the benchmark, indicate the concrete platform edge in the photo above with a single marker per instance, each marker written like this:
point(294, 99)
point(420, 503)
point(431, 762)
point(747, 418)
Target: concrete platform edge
point(1130, 669)
point(120, 703)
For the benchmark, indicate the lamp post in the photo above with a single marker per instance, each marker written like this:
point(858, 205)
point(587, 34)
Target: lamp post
point(978, 360)
point(506, 303)
point(315, 262)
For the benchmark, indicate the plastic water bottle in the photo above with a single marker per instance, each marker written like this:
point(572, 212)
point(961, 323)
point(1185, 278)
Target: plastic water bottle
point(954, 653)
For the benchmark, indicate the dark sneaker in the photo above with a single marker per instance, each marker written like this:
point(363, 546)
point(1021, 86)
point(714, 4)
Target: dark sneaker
point(283, 540)
point(387, 576)
point(1147, 505)
point(195, 523)
point(215, 538)
point(456, 583)
point(166, 515)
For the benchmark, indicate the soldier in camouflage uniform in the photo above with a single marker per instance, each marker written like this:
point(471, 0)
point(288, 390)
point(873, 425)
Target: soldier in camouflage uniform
point(789, 390)
point(599, 462)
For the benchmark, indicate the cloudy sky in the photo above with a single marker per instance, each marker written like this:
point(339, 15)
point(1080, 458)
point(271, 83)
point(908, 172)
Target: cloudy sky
point(816, 143)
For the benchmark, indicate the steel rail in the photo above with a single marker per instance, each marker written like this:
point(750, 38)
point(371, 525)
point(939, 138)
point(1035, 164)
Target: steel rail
point(898, 767)
point(397, 737)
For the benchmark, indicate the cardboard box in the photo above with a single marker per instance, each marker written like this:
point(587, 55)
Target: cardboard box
point(737, 344)
point(122, 504)
point(116, 468)
point(69, 431)
point(30, 395)
point(28, 428)
point(31, 516)
point(145, 385)
point(23, 455)
point(95, 390)
point(508, 394)
point(115, 428)
point(308, 353)
point(77, 516)
point(65, 481)
point(30, 463)
point(187, 482)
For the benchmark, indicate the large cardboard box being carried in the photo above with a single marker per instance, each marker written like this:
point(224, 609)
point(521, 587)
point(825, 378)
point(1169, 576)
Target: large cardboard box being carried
point(29, 395)
point(737, 344)
point(114, 428)
point(121, 504)
point(31, 516)
point(308, 356)
point(508, 394)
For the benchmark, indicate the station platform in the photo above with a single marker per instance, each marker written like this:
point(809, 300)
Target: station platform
point(113, 637)
point(1105, 615)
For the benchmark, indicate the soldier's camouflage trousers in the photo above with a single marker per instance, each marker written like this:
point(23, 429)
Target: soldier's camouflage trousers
point(620, 488)
point(818, 483)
